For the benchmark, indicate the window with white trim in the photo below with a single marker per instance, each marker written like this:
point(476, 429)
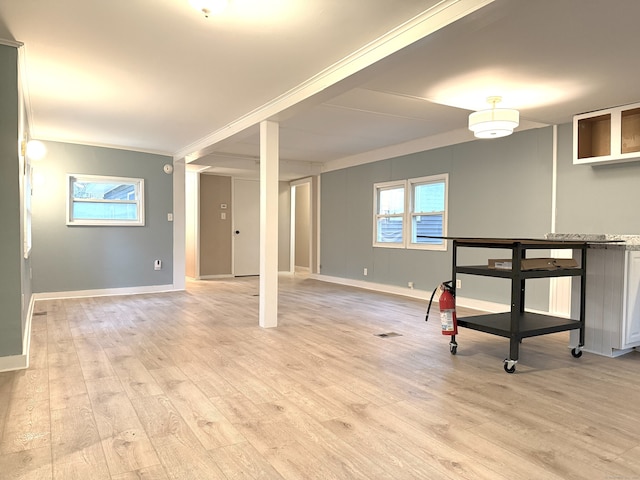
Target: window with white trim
point(410, 213)
point(428, 212)
point(388, 218)
point(100, 200)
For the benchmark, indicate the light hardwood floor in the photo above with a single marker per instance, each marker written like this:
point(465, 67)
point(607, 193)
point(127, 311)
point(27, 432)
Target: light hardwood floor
point(187, 386)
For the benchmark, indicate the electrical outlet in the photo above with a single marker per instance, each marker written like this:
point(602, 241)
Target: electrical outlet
point(410, 285)
point(458, 283)
point(365, 272)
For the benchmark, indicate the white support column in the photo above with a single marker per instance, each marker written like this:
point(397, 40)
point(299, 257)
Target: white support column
point(269, 172)
point(179, 235)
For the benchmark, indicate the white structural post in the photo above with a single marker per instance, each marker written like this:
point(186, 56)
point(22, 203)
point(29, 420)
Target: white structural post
point(179, 226)
point(269, 171)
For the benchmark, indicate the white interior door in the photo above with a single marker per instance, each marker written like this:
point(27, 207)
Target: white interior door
point(246, 227)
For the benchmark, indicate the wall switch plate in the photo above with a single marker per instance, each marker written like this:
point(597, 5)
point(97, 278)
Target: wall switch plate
point(169, 217)
point(458, 283)
point(364, 272)
point(223, 215)
point(157, 265)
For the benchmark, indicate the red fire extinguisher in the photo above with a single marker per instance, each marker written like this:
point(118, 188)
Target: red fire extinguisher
point(447, 304)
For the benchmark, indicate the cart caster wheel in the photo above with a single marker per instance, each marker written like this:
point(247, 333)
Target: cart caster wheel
point(576, 352)
point(510, 365)
point(453, 349)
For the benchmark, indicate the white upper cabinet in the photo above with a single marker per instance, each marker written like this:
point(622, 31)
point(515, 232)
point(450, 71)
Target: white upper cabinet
point(607, 136)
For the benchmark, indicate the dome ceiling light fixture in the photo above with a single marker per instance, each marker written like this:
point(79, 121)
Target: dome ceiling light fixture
point(494, 122)
point(209, 7)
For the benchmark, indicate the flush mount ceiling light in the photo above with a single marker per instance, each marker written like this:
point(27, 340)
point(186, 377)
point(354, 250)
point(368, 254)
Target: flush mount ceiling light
point(209, 7)
point(495, 122)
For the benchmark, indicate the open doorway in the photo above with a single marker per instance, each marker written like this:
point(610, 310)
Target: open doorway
point(303, 229)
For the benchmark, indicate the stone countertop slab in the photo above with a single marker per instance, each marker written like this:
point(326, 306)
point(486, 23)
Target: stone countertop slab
point(601, 240)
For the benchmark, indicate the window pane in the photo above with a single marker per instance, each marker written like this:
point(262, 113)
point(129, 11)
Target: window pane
point(389, 230)
point(427, 226)
point(104, 191)
point(391, 201)
point(428, 197)
point(105, 211)
point(103, 200)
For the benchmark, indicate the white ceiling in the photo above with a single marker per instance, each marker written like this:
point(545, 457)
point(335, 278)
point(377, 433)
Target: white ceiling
point(349, 82)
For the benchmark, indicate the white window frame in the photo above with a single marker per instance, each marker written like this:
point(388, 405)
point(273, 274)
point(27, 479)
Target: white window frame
point(377, 187)
point(408, 214)
point(413, 182)
point(139, 201)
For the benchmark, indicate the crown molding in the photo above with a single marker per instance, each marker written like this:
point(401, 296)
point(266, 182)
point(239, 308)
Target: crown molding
point(11, 43)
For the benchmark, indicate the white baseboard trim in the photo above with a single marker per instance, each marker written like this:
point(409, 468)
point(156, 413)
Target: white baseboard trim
point(14, 362)
point(491, 307)
point(107, 292)
point(378, 287)
point(20, 362)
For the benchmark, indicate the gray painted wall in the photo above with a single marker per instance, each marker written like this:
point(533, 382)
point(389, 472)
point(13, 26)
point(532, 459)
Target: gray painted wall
point(497, 188)
point(98, 257)
point(215, 233)
point(603, 199)
point(11, 317)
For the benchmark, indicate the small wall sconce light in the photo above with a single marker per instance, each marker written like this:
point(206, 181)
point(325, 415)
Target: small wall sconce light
point(34, 150)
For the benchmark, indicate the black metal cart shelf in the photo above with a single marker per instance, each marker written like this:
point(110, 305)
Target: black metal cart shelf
point(518, 324)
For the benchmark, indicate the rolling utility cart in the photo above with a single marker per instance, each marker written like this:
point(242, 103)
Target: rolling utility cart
point(518, 324)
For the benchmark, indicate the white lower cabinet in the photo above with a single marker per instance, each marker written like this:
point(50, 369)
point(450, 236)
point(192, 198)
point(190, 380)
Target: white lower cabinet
point(612, 310)
point(631, 317)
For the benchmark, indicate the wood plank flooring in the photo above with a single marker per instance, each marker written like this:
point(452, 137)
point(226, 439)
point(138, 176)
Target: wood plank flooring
point(187, 386)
